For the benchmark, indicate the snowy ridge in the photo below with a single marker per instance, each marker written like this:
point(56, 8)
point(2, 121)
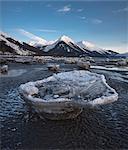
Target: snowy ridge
point(5, 35)
point(84, 47)
point(91, 47)
point(123, 55)
point(51, 44)
point(18, 50)
point(40, 43)
point(64, 39)
point(64, 45)
point(37, 43)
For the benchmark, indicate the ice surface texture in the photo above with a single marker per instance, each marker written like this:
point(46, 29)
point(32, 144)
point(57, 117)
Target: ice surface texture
point(68, 91)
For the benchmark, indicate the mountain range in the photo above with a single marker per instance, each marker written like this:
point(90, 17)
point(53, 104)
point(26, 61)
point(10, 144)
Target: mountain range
point(64, 46)
point(124, 55)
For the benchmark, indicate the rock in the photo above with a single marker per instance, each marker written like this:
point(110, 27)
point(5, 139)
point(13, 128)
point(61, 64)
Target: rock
point(70, 61)
point(91, 60)
point(14, 129)
point(4, 69)
point(39, 59)
point(53, 67)
point(3, 61)
point(84, 65)
point(56, 96)
point(65, 95)
point(122, 63)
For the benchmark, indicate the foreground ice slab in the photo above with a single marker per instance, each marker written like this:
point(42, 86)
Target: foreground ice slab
point(64, 95)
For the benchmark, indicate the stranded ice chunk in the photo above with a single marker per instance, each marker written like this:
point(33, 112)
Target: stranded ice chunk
point(65, 95)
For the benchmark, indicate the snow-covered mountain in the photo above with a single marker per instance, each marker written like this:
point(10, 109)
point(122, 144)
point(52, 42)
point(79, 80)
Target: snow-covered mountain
point(37, 43)
point(9, 45)
point(94, 50)
point(40, 43)
point(124, 55)
point(89, 46)
point(64, 46)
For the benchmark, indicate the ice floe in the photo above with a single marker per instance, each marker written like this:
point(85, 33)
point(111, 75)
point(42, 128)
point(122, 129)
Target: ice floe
point(64, 95)
point(110, 68)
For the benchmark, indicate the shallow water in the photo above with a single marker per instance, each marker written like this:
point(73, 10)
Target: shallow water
point(14, 73)
point(117, 75)
point(11, 104)
point(104, 127)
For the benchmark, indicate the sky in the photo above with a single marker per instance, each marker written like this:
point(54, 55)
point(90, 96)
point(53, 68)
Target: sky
point(104, 23)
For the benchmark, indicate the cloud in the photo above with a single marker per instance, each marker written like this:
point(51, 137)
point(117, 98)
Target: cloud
point(125, 9)
point(90, 20)
point(46, 30)
point(66, 8)
point(96, 21)
point(29, 35)
point(83, 18)
point(79, 10)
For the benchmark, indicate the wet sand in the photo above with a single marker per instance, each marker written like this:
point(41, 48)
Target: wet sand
point(103, 127)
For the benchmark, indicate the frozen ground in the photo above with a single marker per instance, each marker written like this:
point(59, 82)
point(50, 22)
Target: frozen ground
point(100, 128)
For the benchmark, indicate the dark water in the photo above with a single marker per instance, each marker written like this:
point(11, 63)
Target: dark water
point(104, 127)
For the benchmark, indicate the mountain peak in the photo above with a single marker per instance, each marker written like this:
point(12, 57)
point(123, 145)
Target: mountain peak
point(91, 47)
point(86, 44)
point(38, 42)
point(66, 39)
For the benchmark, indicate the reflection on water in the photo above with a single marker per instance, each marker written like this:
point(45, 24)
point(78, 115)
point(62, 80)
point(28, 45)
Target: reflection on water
point(13, 73)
